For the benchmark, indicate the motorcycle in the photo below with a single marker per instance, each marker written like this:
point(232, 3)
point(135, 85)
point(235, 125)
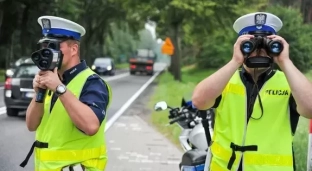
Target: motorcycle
point(197, 128)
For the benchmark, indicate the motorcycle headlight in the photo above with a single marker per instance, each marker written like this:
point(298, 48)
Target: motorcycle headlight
point(93, 67)
point(9, 72)
point(109, 67)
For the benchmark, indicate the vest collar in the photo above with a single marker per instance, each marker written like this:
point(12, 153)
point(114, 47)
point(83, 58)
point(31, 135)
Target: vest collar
point(262, 78)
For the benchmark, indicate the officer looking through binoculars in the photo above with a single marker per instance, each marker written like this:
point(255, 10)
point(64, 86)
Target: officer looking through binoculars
point(257, 106)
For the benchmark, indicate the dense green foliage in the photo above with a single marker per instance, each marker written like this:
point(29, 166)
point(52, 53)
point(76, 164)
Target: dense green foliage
point(201, 31)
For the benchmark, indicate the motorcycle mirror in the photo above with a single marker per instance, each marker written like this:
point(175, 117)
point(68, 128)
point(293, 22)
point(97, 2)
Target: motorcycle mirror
point(162, 105)
point(183, 103)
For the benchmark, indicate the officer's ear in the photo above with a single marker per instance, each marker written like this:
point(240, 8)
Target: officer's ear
point(74, 47)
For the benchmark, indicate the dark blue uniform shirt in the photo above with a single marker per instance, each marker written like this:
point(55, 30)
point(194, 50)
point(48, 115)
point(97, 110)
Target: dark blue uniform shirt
point(94, 92)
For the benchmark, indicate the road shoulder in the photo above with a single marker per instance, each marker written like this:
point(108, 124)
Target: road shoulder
point(133, 144)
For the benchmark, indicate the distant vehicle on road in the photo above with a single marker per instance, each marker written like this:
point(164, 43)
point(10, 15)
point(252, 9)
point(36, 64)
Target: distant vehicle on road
point(104, 66)
point(142, 61)
point(10, 71)
point(18, 89)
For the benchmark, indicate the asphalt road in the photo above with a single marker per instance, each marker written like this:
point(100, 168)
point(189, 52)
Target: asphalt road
point(16, 140)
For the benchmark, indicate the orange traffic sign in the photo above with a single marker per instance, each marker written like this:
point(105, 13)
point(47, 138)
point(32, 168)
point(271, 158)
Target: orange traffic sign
point(167, 48)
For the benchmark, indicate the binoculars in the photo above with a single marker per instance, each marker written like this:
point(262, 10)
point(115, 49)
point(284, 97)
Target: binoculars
point(273, 47)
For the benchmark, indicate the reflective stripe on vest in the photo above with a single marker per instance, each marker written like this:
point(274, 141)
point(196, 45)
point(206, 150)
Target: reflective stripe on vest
point(67, 144)
point(266, 142)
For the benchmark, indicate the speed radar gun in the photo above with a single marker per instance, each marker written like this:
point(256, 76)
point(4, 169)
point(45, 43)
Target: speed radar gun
point(47, 58)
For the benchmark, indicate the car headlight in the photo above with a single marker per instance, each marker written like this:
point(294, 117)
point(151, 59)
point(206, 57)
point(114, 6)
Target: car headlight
point(109, 67)
point(93, 67)
point(9, 72)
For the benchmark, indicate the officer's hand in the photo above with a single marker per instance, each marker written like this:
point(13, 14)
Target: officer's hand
point(237, 53)
point(50, 79)
point(284, 55)
point(37, 84)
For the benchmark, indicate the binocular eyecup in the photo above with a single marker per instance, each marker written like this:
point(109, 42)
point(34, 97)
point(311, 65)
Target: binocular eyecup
point(273, 47)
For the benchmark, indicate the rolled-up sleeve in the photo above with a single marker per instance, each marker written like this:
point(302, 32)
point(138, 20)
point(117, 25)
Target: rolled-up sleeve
point(95, 95)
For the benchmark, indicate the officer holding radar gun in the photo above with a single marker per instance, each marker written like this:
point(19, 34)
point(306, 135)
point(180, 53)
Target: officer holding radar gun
point(68, 111)
point(257, 107)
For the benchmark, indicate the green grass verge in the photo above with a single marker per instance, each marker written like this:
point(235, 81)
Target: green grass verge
point(122, 66)
point(172, 92)
point(2, 72)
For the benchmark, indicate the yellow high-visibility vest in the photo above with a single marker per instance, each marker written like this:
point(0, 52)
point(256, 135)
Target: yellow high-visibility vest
point(265, 143)
point(66, 145)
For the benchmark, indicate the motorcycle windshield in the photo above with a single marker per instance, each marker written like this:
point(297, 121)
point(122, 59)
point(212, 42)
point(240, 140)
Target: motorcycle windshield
point(193, 168)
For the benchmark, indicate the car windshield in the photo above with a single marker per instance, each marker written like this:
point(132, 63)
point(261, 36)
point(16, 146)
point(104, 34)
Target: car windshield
point(26, 71)
point(19, 61)
point(102, 61)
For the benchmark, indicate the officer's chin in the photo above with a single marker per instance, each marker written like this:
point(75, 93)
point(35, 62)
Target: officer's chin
point(256, 70)
point(261, 69)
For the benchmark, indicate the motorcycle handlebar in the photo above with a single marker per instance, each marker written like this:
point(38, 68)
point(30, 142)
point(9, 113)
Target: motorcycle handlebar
point(177, 119)
point(178, 114)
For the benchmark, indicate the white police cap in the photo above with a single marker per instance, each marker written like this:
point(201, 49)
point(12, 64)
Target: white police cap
point(60, 27)
point(258, 21)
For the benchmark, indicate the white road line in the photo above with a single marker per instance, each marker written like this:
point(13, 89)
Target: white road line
point(113, 119)
point(116, 77)
point(2, 110)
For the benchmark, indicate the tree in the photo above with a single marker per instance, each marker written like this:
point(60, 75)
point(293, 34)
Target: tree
point(293, 27)
point(146, 40)
point(175, 14)
point(120, 42)
point(306, 10)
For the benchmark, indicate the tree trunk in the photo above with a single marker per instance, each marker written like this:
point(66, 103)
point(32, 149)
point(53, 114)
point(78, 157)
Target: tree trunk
point(1, 16)
point(176, 57)
point(306, 10)
point(24, 36)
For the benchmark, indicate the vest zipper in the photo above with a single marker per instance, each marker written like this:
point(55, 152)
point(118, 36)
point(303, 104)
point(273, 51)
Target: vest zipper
point(245, 130)
point(246, 124)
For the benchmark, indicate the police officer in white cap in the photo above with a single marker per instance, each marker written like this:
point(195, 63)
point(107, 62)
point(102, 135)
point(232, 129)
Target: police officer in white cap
point(68, 111)
point(257, 107)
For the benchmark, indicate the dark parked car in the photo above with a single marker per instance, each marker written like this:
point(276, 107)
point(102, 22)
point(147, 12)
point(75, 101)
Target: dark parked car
point(10, 71)
point(18, 89)
point(104, 66)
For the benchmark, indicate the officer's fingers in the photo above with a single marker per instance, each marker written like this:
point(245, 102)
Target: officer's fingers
point(42, 83)
point(35, 84)
point(42, 86)
point(36, 77)
point(42, 72)
point(55, 70)
point(45, 73)
point(243, 38)
point(279, 38)
point(246, 36)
